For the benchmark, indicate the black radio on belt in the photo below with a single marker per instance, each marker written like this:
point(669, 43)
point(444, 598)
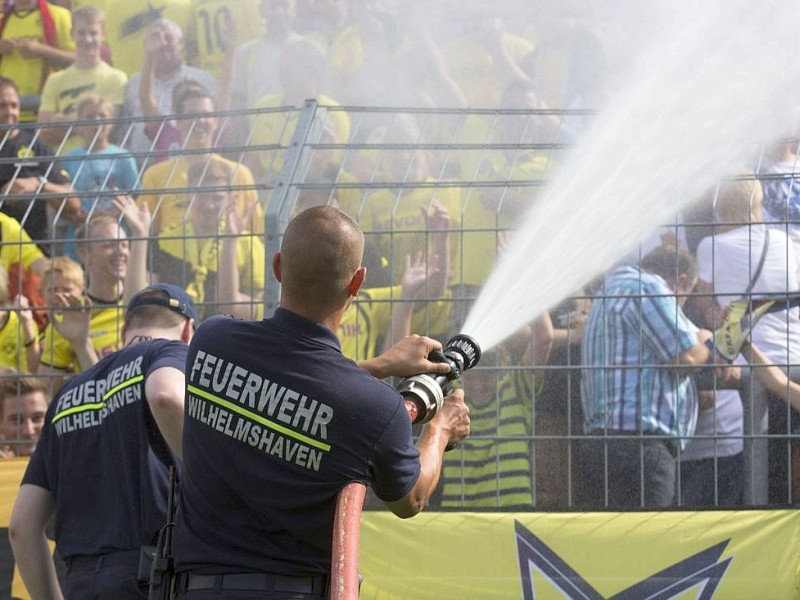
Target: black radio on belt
point(156, 564)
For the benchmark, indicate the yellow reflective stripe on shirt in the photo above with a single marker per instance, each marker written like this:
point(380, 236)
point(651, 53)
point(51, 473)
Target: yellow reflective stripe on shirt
point(259, 419)
point(97, 405)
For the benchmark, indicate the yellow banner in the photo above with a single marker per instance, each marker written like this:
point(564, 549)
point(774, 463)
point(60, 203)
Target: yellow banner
point(543, 556)
point(11, 472)
point(680, 555)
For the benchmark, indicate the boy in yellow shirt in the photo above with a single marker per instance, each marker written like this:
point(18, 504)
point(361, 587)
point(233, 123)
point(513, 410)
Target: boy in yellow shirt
point(89, 73)
point(88, 326)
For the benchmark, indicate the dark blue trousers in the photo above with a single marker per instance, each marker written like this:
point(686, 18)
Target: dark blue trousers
point(629, 472)
point(107, 577)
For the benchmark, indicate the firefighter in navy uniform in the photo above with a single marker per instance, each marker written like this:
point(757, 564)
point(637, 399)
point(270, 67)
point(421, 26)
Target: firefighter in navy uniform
point(102, 461)
point(278, 421)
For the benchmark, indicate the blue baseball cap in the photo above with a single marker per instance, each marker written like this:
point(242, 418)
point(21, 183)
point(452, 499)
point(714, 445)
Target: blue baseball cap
point(177, 300)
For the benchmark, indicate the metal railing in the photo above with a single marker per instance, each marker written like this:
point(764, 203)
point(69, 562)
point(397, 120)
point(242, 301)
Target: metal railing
point(387, 168)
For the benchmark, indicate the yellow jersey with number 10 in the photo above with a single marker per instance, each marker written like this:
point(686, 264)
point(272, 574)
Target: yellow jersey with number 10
point(209, 24)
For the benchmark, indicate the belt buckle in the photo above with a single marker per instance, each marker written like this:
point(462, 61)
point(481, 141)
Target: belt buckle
point(246, 582)
point(189, 582)
point(294, 584)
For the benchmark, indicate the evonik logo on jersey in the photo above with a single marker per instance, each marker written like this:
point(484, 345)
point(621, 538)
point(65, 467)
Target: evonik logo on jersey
point(541, 568)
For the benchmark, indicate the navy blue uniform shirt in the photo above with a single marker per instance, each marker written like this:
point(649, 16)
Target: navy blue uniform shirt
point(102, 456)
point(277, 422)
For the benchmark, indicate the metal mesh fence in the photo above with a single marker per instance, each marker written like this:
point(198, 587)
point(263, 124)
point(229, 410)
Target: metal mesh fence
point(437, 193)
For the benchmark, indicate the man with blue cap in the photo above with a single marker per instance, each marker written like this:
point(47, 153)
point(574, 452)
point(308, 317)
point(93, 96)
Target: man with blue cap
point(102, 461)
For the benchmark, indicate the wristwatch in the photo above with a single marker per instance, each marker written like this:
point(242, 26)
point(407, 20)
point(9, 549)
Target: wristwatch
point(42, 181)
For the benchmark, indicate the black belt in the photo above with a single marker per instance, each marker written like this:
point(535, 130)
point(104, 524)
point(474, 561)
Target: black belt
point(259, 582)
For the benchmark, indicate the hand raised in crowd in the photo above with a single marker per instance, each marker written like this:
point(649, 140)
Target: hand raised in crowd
point(135, 213)
point(235, 222)
point(229, 35)
point(154, 41)
point(25, 314)
point(438, 218)
point(437, 221)
point(71, 318)
point(503, 242)
point(415, 275)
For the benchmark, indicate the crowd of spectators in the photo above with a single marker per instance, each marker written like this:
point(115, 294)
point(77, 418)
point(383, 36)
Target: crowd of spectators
point(141, 142)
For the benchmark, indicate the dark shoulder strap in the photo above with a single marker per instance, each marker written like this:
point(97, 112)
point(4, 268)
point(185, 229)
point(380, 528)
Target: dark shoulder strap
point(760, 265)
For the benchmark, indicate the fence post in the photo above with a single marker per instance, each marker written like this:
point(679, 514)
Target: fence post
point(282, 200)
